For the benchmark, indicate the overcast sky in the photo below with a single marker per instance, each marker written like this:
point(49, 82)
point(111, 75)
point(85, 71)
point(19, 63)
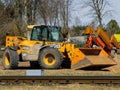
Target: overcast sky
point(79, 15)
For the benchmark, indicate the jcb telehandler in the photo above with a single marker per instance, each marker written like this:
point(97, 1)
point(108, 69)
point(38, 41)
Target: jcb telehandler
point(46, 46)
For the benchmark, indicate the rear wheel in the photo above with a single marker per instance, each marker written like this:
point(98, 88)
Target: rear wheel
point(50, 58)
point(10, 59)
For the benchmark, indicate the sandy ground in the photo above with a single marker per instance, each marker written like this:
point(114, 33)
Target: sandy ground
point(60, 87)
point(113, 70)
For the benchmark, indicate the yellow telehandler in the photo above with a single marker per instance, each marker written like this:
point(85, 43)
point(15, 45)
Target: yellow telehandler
point(46, 47)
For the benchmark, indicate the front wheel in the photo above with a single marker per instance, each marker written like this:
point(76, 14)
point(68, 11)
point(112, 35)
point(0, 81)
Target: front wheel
point(10, 59)
point(50, 58)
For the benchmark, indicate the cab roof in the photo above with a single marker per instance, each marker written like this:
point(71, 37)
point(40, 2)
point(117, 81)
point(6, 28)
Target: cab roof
point(30, 27)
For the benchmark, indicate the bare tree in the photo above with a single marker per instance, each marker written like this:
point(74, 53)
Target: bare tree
point(12, 16)
point(17, 14)
point(65, 12)
point(97, 9)
point(54, 12)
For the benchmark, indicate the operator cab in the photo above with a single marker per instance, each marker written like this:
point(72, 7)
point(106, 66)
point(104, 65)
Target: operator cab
point(47, 33)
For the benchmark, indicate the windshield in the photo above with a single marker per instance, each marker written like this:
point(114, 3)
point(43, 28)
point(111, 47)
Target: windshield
point(50, 33)
point(55, 34)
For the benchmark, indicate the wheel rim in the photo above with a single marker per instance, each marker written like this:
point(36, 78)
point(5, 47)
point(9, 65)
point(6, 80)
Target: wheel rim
point(49, 59)
point(7, 59)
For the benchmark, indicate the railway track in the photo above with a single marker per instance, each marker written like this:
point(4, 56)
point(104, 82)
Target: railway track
point(59, 80)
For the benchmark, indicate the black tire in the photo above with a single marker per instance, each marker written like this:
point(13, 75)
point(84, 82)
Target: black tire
point(10, 59)
point(50, 58)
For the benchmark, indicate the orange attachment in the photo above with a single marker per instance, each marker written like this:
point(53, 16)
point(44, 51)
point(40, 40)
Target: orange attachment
point(99, 42)
point(104, 37)
point(88, 44)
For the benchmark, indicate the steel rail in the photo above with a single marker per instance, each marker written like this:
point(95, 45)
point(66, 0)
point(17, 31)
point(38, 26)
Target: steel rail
point(60, 79)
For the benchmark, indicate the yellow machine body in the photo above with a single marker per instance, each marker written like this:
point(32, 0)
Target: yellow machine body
point(78, 57)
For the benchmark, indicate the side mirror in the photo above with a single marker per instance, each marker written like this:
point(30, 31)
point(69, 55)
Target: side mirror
point(7, 33)
point(65, 39)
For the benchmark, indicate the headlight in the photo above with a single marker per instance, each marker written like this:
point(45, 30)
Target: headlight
point(25, 48)
point(55, 45)
point(24, 54)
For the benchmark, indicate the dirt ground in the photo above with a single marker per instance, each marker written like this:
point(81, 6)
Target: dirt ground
point(21, 71)
point(113, 70)
point(60, 87)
